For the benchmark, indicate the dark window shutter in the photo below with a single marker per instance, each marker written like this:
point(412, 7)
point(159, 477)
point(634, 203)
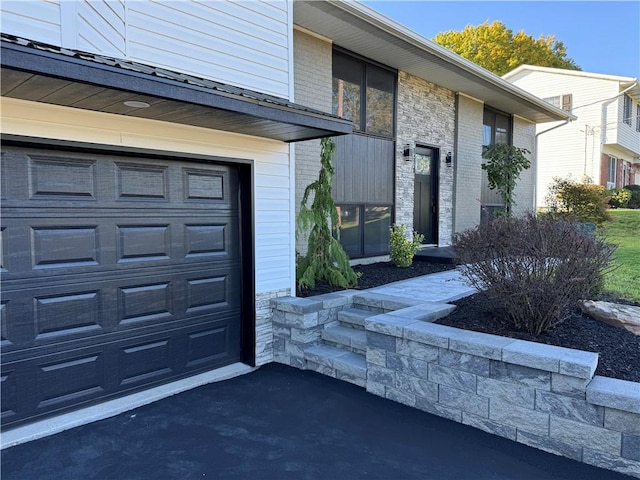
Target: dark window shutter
point(566, 102)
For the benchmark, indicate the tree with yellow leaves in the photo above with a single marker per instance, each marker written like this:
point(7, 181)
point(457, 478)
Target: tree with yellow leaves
point(496, 48)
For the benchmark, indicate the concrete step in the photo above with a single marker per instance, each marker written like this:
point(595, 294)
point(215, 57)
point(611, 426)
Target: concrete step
point(346, 364)
point(349, 338)
point(354, 317)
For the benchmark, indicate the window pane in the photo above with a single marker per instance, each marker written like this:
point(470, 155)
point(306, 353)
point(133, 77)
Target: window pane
point(376, 230)
point(486, 135)
point(380, 85)
point(350, 229)
point(502, 129)
point(347, 78)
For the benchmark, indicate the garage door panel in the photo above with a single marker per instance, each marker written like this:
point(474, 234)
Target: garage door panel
point(49, 178)
point(70, 379)
point(118, 273)
point(70, 246)
point(146, 361)
point(9, 395)
point(136, 182)
point(59, 311)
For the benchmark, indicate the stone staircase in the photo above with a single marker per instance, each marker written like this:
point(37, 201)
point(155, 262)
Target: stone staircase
point(343, 349)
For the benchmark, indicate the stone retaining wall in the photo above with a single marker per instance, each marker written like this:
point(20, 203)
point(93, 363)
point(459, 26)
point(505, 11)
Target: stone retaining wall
point(540, 395)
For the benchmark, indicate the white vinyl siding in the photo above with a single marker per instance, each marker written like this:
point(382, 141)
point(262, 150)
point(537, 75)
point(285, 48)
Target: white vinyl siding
point(625, 134)
point(573, 150)
point(100, 27)
point(36, 20)
point(246, 44)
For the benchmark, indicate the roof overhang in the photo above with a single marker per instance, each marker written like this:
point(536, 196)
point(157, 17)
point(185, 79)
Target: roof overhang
point(362, 30)
point(74, 79)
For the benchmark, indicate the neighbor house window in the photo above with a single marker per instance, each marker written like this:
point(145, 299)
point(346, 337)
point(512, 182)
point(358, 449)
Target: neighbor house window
point(638, 118)
point(364, 93)
point(626, 109)
point(611, 180)
point(561, 101)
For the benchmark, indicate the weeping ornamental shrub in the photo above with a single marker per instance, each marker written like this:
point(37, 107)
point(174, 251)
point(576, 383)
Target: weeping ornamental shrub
point(325, 260)
point(534, 269)
point(401, 249)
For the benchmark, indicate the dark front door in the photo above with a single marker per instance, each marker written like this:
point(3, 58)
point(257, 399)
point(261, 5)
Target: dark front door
point(425, 217)
point(118, 274)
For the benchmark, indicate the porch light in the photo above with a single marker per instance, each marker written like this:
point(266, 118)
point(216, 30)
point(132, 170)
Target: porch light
point(448, 160)
point(407, 152)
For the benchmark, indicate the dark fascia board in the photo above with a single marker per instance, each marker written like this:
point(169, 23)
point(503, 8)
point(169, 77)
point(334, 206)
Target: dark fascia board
point(69, 68)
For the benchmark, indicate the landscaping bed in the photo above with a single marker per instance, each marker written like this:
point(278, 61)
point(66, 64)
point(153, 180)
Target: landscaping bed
point(619, 350)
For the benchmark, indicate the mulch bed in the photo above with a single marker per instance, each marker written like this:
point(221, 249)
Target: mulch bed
point(619, 350)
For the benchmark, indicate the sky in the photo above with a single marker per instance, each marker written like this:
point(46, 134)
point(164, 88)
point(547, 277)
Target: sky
point(600, 36)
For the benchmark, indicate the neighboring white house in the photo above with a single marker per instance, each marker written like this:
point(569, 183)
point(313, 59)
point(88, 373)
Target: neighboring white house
point(603, 145)
point(149, 187)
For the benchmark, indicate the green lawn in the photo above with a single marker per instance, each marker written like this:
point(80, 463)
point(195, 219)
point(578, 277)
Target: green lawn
point(624, 231)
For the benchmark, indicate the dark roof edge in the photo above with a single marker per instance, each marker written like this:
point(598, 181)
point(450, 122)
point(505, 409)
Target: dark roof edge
point(65, 66)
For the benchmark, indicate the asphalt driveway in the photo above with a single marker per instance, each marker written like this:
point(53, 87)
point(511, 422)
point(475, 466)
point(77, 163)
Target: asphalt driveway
point(283, 423)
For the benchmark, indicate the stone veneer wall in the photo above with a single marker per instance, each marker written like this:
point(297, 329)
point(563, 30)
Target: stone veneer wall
point(540, 395)
point(312, 62)
point(425, 115)
point(264, 325)
point(468, 160)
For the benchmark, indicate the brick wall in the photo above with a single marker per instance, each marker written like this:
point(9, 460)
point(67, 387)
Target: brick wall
point(468, 160)
point(426, 115)
point(312, 60)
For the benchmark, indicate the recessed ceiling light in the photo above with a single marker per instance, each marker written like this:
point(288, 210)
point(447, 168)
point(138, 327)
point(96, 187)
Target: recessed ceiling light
point(136, 104)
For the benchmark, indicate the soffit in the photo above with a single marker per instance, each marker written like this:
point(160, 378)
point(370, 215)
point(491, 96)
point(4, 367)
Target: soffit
point(48, 74)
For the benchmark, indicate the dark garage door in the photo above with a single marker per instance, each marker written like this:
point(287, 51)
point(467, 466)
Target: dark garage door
point(118, 273)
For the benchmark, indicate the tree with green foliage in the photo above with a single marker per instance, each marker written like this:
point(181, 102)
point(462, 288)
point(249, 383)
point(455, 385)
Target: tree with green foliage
point(496, 48)
point(325, 260)
point(504, 165)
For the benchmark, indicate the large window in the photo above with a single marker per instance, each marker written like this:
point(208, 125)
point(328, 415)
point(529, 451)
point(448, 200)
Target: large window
point(364, 230)
point(363, 187)
point(496, 128)
point(364, 93)
point(627, 109)
point(613, 166)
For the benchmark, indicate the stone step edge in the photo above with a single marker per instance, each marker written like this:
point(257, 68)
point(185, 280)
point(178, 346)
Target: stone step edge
point(347, 336)
point(355, 316)
point(341, 360)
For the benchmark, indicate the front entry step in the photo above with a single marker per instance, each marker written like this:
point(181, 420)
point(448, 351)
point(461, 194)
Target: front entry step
point(351, 339)
point(354, 317)
point(335, 362)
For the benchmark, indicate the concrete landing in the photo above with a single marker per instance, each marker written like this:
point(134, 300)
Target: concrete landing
point(437, 287)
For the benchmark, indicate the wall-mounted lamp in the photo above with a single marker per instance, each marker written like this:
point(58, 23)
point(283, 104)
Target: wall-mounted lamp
point(407, 153)
point(448, 160)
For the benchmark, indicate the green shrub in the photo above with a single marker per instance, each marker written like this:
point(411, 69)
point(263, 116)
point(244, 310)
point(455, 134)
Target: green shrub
point(401, 249)
point(504, 165)
point(326, 259)
point(535, 269)
point(634, 201)
point(582, 202)
point(619, 197)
